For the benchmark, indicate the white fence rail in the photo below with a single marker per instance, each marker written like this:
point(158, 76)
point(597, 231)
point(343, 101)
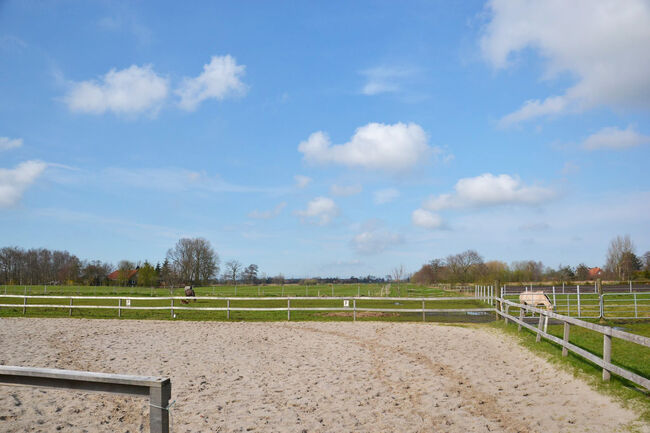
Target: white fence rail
point(607, 332)
point(586, 305)
point(157, 388)
point(123, 305)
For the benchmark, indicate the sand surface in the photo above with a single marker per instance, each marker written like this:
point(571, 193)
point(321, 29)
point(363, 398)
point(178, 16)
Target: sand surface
point(299, 377)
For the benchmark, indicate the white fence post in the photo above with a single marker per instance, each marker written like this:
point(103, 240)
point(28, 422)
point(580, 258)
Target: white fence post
point(554, 303)
point(119, 307)
point(578, 290)
point(636, 312)
point(288, 309)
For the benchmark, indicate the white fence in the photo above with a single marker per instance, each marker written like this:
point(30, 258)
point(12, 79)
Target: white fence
point(348, 304)
point(581, 303)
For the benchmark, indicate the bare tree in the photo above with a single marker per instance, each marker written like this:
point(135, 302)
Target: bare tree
point(619, 247)
point(397, 275)
point(461, 266)
point(193, 260)
point(232, 270)
point(250, 273)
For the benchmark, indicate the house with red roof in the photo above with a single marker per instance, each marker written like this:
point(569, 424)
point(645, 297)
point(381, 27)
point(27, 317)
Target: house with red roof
point(130, 279)
point(595, 273)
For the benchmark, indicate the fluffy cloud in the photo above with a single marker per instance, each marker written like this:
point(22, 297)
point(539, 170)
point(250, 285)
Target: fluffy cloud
point(375, 146)
point(268, 214)
point(130, 91)
point(615, 138)
point(425, 219)
point(302, 181)
point(14, 182)
point(321, 210)
point(387, 195)
point(489, 190)
point(345, 191)
point(603, 44)
point(220, 78)
point(7, 143)
point(374, 241)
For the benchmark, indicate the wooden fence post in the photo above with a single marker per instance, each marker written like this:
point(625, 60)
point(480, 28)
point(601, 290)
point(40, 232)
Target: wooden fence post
point(601, 301)
point(423, 318)
point(119, 307)
point(288, 309)
point(554, 296)
point(507, 312)
point(521, 318)
point(227, 308)
point(578, 290)
point(172, 309)
point(70, 307)
point(25, 304)
point(565, 337)
point(607, 355)
point(636, 312)
point(354, 310)
point(158, 407)
point(540, 325)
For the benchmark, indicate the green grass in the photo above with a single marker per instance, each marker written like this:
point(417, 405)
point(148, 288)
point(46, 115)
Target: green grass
point(269, 292)
point(631, 356)
point(404, 290)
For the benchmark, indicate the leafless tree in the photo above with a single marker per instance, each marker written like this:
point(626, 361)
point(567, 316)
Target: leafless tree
point(619, 247)
point(460, 266)
point(233, 268)
point(194, 260)
point(397, 275)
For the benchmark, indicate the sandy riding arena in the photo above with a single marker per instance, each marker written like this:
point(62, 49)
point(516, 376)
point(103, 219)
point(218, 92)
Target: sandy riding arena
point(299, 377)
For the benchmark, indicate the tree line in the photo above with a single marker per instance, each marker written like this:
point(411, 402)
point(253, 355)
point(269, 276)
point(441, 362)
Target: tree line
point(622, 264)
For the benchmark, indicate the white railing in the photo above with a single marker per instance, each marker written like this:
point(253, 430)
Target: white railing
point(158, 389)
point(607, 332)
point(347, 304)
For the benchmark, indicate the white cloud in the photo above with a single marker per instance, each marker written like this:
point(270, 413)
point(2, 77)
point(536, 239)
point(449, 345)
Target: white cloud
point(345, 191)
point(387, 195)
point(377, 146)
point(7, 143)
point(268, 214)
point(321, 210)
point(603, 44)
point(489, 190)
point(383, 80)
point(14, 182)
point(129, 91)
point(302, 181)
point(220, 79)
point(425, 219)
point(374, 241)
point(615, 138)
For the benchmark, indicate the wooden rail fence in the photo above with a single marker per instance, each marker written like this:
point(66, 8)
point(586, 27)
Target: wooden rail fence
point(157, 388)
point(606, 331)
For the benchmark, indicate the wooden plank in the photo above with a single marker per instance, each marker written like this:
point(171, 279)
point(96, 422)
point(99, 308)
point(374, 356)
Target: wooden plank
point(55, 373)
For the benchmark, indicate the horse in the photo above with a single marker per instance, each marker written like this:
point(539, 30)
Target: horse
point(189, 292)
point(535, 299)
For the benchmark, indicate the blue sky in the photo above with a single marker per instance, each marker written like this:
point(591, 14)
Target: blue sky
point(340, 138)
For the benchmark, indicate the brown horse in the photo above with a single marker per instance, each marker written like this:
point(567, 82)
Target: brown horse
point(189, 292)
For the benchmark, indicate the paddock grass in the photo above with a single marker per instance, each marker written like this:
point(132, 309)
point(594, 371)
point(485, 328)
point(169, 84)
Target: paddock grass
point(631, 356)
point(616, 305)
point(294, 290)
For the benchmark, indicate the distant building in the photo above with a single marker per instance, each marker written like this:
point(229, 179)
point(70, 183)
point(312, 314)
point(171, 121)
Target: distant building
point(595, 273)
point(131, 277)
